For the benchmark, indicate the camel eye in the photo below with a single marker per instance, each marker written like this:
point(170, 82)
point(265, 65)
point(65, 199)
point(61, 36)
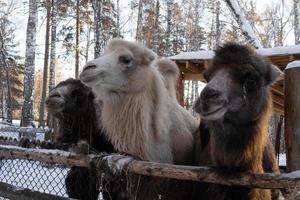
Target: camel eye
point(125, 59)
point(249, 84)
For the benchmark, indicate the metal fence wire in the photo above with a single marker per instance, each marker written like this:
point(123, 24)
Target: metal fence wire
point(34, 175)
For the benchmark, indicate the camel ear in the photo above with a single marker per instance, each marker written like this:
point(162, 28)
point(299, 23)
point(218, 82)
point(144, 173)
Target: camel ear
point(149, 56)
point(275, 72)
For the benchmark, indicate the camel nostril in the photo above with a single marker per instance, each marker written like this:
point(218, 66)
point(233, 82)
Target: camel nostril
point(89, 67)
point(210, 93)
point(54, 95)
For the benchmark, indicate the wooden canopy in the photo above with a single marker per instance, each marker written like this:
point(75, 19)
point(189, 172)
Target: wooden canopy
point(192, 65)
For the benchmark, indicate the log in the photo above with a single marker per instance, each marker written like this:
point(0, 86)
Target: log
point(49, 156)
point(15, 193)
point(117, 163)
point(292, 115)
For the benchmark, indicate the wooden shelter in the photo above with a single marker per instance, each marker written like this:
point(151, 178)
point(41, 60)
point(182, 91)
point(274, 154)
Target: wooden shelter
point(192, 65)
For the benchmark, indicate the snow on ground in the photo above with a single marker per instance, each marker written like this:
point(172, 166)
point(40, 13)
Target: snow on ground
point(15, 135)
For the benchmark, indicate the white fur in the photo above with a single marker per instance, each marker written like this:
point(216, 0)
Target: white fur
point(140, 114)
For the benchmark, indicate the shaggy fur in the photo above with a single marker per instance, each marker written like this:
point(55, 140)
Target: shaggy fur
point(139, 114)
point(72, 103)
point(236, 105)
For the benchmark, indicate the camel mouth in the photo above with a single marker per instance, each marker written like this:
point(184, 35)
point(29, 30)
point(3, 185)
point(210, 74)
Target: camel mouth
point(87, 79)
point(215, 114)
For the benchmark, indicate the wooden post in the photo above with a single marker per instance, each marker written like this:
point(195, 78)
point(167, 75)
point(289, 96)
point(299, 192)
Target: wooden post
point(292, 115)
point(180, 89)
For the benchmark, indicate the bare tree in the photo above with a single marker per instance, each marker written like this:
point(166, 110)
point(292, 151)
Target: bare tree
point(244, 24)
point(46, 63)
point(218, 26)
point(156, 29)
point(169, 26)
point(196, 42)
point(118, 20)
point(27, 110)
point(139, 26)
point(77, 48)
point(297, 21)
point(98, 26)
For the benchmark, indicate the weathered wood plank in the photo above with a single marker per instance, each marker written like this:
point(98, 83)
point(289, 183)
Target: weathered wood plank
point(292, 116)
point(119, 162)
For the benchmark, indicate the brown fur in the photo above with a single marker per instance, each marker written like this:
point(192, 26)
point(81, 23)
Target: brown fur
point(237, 104)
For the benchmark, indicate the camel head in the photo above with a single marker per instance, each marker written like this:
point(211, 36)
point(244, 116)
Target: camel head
point(69, 97)
point(123, 68)
point(237, 85)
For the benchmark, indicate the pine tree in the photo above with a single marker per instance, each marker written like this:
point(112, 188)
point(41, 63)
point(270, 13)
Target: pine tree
point(105, 24)
point(52, 67)
point(11, 71)
point(27, 115)
point(156, 30)
point(178, 31)
point(6, 84)
point(46, 63)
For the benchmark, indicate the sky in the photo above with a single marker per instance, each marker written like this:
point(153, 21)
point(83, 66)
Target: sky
point(20, 16)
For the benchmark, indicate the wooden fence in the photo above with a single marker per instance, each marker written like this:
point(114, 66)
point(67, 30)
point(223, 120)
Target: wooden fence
point(116, 163)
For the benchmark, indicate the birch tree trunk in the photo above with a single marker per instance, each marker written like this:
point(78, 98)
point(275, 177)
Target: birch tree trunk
point(155, 30)
point(218, 27)
point(98, 16)
point(244, 23)
point(27, 110)
point(77, 48)
point(52, 53)
point(169, 24)
point(139, 26)
point(88, 44)
point(297, 21)
point(197, 37)
point(118, 19)
point(46, 62)
point(53, 45)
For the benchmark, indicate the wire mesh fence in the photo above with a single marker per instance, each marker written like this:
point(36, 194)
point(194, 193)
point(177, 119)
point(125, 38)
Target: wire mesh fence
point(34, 175)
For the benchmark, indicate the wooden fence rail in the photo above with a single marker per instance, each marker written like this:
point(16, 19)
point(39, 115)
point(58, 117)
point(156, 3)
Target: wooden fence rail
point(117, 162)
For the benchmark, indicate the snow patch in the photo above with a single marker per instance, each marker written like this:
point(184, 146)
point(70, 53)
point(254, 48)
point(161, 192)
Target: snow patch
point(294, 175)
point(293, 64)
point(45, 151)
point(244, 23)
point(117, 162)
point(207, 55)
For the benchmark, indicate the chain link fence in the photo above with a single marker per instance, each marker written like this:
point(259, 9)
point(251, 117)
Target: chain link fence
point(34, 175)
